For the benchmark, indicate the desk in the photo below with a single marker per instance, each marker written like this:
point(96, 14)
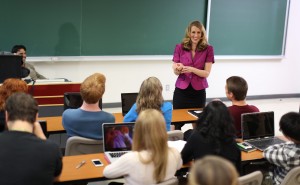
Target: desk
point(52, 93)
point(179, 116)
point(89, 172)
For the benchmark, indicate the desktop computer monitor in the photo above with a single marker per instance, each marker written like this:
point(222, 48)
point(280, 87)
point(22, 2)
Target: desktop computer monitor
point(10, 67)
point(73, 100)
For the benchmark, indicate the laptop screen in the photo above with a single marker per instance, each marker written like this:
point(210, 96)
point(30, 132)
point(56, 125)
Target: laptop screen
point(117, 136)
point(257, 125)
point(127, 99)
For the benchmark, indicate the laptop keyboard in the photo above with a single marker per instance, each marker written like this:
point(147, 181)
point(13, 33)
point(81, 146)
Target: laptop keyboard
point(265, 142)
point(117, 154)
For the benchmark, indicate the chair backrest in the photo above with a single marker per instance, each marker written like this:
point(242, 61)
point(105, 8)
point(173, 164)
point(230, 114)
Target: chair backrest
point(172, 181)
point(254, 178)
point(292, 178)
point(77, 145)
point(73, 100)
point(175, 135)
point(127, 100)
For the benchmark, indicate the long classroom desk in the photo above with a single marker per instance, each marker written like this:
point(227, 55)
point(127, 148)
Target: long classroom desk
point(179, 117)
point(88, 172)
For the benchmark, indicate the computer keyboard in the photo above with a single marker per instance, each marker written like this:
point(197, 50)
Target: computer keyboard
point(265, 142)
point(117, 154)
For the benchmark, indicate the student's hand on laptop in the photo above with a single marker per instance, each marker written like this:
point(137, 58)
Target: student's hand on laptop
point(37, 130)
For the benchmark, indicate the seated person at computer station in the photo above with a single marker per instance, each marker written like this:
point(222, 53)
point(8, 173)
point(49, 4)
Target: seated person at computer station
point(150, 97)
point(87, 120)
point(151, 160)
point(21, 50)
point(9, 86)
point(26, 157)
point(214, 135)
point(236, 91)
point(285, 156)
point(213, 170)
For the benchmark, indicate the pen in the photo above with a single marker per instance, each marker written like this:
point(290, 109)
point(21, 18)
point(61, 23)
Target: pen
point(80, 164)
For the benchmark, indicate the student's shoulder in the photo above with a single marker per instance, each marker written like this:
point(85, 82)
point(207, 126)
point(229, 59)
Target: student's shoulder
point(70, 111)
point(167, 105)
point(108, 114)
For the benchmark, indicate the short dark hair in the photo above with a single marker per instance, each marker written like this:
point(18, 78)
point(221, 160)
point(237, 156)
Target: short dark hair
point(238, 87)
point(290, 125)
point(16, 48)
point(21, 106)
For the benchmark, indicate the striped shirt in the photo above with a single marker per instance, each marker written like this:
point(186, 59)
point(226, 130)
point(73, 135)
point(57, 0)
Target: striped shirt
point(284, 157)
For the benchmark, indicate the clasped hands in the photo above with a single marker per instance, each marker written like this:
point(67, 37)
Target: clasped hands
point(180, 68)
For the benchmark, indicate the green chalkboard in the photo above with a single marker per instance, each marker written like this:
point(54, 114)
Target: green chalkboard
point(46, 28)
point(97, 27)
point(247, 27)
point(139, 27)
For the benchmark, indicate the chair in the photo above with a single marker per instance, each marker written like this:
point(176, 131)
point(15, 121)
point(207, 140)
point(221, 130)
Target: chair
point(77, 145)
point(174, 135)
point(73, 100)
point(254, 178)
point(127, 100)
point(292, 177)
point(172, 181)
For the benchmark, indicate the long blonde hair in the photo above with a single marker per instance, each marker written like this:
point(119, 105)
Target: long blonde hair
point(213, 170)
point(186, 41)
point(150, 95)
point(150, 134)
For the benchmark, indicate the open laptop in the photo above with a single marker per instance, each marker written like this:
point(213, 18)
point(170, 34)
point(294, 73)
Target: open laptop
point(117, 139)
point(258, 129)
point(127, 99)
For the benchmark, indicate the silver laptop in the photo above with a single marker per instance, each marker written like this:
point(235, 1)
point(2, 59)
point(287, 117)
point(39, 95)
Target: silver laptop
point(258, 129)
point(117, 139)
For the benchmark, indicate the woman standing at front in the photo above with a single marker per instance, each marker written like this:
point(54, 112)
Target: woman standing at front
point(193, 59)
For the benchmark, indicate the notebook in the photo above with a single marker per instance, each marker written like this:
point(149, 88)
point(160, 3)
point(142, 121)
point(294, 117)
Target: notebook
point(117, 139)
point(258, 129)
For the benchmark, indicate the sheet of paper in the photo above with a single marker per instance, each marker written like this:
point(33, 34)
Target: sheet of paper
point(179, 144)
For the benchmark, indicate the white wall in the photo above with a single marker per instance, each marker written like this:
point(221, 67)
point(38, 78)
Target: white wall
point(265, 77)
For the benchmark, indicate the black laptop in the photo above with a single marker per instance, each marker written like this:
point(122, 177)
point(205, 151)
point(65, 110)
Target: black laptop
point(258, 129)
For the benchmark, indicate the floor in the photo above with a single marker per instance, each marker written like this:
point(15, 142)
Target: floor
point(279, 106)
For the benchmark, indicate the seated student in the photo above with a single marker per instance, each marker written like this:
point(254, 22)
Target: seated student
point(150, 97)
point(285, 156)
point(9, 86)
point(151, 160)
point(87, 120)
point(21, 50)
point(213, 170)
point(236, 91)
point(214, 135)
point(24, 157)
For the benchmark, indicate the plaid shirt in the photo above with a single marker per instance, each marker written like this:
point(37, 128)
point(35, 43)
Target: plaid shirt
point(284, 157)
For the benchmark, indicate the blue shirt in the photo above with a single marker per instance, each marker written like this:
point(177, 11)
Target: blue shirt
point(78, 122)
point(166, 109)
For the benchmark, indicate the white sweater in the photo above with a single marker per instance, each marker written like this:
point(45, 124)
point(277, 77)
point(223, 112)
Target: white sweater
point(136, 173)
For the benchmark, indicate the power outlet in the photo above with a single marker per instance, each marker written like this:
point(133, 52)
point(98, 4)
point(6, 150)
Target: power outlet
point(167, 87)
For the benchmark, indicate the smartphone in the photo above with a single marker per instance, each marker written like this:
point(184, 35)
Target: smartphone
point(97, 162)
point(245, 145)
